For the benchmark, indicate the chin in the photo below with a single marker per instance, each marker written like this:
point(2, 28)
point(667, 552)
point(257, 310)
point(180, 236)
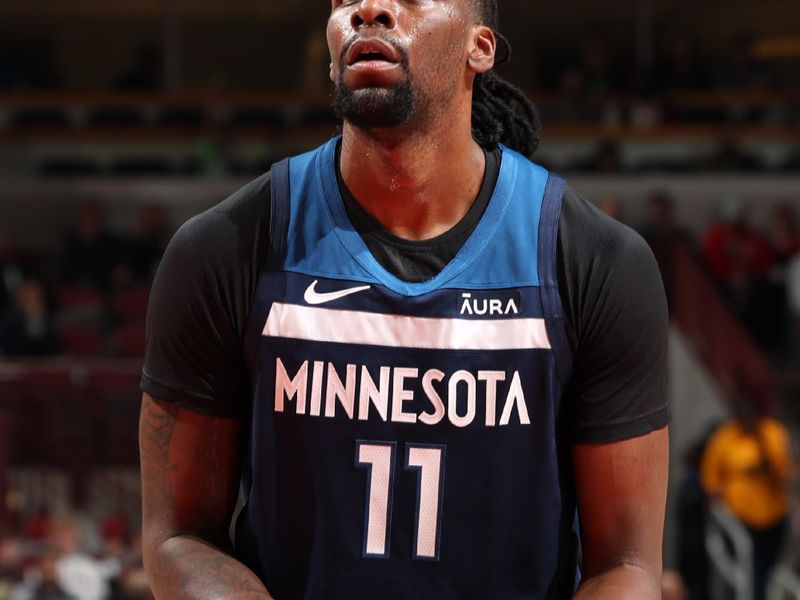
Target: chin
point(374, 108)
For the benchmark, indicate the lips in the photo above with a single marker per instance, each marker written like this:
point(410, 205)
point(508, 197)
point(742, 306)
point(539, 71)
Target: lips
point(371, 51)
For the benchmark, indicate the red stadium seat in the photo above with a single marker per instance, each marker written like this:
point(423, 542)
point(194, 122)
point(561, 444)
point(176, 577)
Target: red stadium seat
point(129, 340)
point(54, 410)
point(73, 296)
point(79, 304)
point(116, 395)
point(131, 305)
point(80, 340)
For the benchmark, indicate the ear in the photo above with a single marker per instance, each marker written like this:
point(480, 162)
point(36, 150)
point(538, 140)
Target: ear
point(482, 48)
point(331, 74)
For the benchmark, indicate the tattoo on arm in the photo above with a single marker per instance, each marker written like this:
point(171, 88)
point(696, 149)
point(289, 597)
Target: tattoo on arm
point(157, 425)
point(190, 475)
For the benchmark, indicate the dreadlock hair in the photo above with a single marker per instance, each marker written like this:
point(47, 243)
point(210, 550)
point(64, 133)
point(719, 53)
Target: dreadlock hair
point(501, 112)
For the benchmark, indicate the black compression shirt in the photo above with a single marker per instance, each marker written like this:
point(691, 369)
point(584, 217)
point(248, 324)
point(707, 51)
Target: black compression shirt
point(419, 260)
point(608, 281)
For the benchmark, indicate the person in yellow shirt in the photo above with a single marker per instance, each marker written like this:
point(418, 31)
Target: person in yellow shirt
point(746, 466)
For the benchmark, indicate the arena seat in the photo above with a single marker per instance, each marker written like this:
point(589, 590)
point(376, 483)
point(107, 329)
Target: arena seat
point(115, 393)
point(80, 340)
point(130, 306)
point(79, 304)
point(185, 117)
point(129, 341)
point(142, 165)
point(53, 410)
point(69, 166)
point(109, 116)
point(40, 117)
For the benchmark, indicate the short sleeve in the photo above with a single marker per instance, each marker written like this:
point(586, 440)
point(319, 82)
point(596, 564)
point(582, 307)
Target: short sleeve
point(617, 319)
point(200, 302)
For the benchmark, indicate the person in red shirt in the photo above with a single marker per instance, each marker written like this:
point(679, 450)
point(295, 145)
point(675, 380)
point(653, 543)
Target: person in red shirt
point(735, 251)
point(783, 232)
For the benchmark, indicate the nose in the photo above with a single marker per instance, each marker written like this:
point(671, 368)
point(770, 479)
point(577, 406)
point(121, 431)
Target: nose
point(373, 13)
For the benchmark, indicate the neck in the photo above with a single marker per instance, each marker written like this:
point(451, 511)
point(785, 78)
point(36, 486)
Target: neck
point(416, 185)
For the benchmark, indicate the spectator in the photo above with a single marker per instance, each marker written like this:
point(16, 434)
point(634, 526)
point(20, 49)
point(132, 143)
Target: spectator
point(26, 329)
point(783, 233)
point(597, 66)
point(662, 234)
point(90, 253)
point(36, 525)
point(10, 566)
point(573, 106)
point(682, 66)
point(736, 253)
point(148, 244)
point(607, 159)
point(692, 506)
point(77, 573)
point(739, 69)
point(116, 553)
point(672, 586)
point(612, 207)
point(9, 72)
point(144, 73)
point(730, 157)
point(742, 260)
point(12, 271)
point(772, 293)
point(746, 466)
point(48, 586)
point(134, 580)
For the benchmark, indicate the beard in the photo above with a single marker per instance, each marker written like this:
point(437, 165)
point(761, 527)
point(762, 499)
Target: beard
point(380, 107)
point(376, 107)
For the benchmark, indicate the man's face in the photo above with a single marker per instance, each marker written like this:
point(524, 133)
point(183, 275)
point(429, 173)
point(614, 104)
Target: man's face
point(397, 62)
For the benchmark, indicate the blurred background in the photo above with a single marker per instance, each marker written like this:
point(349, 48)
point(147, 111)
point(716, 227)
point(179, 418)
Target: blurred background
point(119, 120)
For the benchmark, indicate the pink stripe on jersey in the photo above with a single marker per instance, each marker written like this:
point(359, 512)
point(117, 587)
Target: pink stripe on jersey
point(401, 331)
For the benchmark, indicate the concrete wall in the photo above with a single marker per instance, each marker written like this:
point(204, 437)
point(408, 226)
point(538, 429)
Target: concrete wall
point(697, 403)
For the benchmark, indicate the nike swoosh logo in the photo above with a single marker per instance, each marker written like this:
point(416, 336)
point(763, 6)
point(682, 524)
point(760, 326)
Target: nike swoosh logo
point(313, 297)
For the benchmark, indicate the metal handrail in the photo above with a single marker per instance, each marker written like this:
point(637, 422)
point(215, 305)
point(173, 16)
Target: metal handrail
point(784, 584)
point(734, 568)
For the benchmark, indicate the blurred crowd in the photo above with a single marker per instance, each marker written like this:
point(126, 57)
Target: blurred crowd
point(596, 87)
point(600, 63)
point(597, 81)
point(756, 267)
point(681, 62)
point(90, 298)
point(739, 480)
point(50, 557)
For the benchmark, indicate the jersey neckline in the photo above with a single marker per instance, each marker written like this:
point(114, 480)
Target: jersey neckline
point(357, 248)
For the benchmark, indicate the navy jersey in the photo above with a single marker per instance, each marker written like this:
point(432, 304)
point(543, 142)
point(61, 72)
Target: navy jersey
point(407, 439)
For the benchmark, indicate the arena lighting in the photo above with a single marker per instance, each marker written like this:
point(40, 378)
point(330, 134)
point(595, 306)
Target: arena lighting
point(777, 48)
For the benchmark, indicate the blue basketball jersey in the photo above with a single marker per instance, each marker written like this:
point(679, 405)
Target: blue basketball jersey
point(407, 440)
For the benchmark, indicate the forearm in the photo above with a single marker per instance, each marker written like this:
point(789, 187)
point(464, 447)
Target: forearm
point(189, 568)
point(625, 582)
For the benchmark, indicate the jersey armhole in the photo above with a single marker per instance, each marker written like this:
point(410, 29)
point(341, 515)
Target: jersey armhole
point(548, 276)
point(280, 199)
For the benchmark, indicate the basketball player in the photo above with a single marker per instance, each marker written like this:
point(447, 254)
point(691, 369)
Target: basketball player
point(415, 352)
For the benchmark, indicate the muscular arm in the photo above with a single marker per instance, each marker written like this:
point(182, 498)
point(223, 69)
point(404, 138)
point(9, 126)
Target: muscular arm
point(622, 490)
point(190, 479)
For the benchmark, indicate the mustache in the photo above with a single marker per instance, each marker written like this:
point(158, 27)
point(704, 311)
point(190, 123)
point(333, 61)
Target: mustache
point(401, 51)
